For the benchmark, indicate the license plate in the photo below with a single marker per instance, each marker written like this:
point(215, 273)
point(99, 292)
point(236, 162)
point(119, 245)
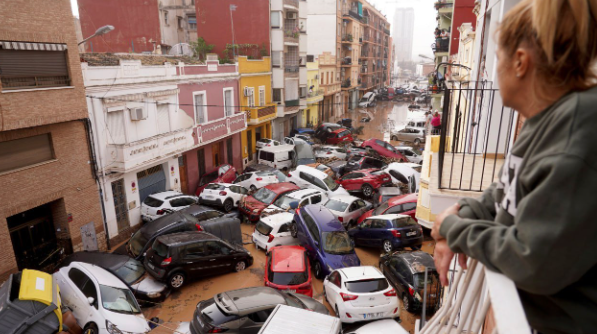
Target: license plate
point(208, 197)
point(372, 315)
point(408, 234)
point(291, 290)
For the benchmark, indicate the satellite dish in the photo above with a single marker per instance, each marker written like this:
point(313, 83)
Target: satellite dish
point(181, 49)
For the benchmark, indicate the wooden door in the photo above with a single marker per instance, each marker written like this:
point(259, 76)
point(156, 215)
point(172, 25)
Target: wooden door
point(182, 170)
point(216, 155)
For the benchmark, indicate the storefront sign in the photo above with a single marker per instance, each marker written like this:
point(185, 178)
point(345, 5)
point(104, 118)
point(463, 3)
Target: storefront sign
point(144, 149)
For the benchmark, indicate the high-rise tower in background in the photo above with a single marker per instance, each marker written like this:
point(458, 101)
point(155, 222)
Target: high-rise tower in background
point(404, 22)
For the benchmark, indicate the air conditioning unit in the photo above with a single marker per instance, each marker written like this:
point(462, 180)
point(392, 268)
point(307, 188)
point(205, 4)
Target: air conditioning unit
point(138, 114)
point(248, 91)
point(291, 15)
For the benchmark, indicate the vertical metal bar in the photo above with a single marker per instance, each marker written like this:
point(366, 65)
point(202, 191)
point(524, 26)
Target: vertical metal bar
point(487, 141)
point(442, 136)
point(458, 136)
point(423, 318)
point(476, 139)
point(498, 139)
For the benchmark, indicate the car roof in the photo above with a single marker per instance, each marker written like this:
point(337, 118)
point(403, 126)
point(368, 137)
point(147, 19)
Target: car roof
point(278, 219)
point(403, 147)
point(102, 275)
point(161, 223)
point(249, 300)
point(110, 261)
point(313, 171)
point(389, 216)
point(417, 260)
point(324, 218)
point(279, 148)
point(288, 259)
point(360, 273)
point(194, 209)
point(345, 198)
point(174, 239)
point(403, 199)
point(166, 195)
point(403, 168)
point(281, 187)
point(339, 130)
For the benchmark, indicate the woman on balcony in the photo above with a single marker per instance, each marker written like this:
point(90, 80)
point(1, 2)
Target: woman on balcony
point(536, 224)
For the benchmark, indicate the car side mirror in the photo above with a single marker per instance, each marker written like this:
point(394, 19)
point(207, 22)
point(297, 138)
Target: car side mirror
point(294, 205)
point(90, 300)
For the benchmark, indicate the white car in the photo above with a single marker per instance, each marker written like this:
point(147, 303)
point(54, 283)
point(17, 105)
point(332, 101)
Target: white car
point(306, 138)
point(309, 177)
point(256, 180)
point(266, 142)
point(385, 326)
point(404, 173)
point(100, 301)
point(274, 230)
point(328, 151)
point(348, 209)
point(156, 205)
point(360, 294)
point(225, 195)
point(302, 196)
point(410, 154)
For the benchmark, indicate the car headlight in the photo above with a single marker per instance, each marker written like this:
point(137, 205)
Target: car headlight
point(255, 211)
point(154, 294)
point(111, 328)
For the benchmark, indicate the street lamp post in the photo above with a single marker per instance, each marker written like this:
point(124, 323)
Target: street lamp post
point(100, 31)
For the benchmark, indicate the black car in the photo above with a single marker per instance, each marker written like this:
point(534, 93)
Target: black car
point(358, 162)
point(406, 272)
point(383, 194)
point(179, 257)
point(193, 218)
point(129, 270)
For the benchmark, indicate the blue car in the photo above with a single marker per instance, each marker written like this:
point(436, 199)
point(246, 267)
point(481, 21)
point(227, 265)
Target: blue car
point(327, 243)
point(388, 232)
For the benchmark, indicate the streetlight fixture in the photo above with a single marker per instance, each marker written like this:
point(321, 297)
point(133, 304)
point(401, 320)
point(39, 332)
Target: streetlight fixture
point(100, 31)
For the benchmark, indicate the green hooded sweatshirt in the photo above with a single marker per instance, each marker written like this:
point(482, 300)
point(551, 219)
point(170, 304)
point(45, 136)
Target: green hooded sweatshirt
point(537, 224)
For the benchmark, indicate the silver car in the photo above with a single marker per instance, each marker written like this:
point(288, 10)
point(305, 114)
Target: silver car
point(410, 134)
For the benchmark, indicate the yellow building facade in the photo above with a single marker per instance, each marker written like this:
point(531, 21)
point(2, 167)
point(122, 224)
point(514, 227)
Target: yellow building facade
point(255, 91)
point(314, 95)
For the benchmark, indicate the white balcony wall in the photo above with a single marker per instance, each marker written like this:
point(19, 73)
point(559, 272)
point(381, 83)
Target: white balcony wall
point(277, 5)
point(291, 91)
point(303, 76)
point(303, 44)
point(278, 78)
point(303, 9)
point(277, 40)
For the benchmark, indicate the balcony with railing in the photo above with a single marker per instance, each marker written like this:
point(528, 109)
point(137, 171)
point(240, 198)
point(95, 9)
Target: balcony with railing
point(347, 38)
point(35, 81)
point(292, 3)
point(346, 61)
point(444, 7)
point(258, 115)
point(441, 45)
point(315, 95)
point(346, 84)
point(329, 89)
point(351, 12)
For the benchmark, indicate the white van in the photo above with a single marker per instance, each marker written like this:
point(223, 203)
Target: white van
point(293, 320)
point(279, 157)
point(368, 100)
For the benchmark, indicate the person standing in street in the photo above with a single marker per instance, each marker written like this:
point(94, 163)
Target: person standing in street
point(536, 223)
point(436, 122)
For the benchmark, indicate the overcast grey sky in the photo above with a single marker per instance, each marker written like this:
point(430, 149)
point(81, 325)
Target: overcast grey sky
point(424, 21)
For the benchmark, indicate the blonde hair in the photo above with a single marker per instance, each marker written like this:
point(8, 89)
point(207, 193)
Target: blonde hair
point(563, 36)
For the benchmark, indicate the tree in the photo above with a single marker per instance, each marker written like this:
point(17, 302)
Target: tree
point(201, 48)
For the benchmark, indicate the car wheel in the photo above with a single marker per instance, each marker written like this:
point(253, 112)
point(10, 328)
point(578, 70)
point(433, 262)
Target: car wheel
point(317, 270)
point(176, 280)
point(417, 141)
point(387, 246)
point(293, 230)
point(253, 188)
point(406, 303)
point(367, 190)
point(394, 138)
point(240, 266)
point(228, 205)
point(90, 329)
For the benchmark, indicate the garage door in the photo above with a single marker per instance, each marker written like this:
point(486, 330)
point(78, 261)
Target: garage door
point(152, 180)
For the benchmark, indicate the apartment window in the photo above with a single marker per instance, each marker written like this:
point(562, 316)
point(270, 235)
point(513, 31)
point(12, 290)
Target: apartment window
point(303, 92)
point(310, 58)
point(179, 18)
point(277, 95)
point(163, 118)
point(276, 18)
point(251, 97)
point(115, 126)
point(228, 107)
point(276, 58)
point(192, 20)
point(327, 78)
point(322, 75)
point(33, 65)
point(261, 96)
point(200, 107)
point(19, 153)
point(166, 18)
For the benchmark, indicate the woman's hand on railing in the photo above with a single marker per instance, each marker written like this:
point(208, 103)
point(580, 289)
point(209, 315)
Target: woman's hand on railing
point(452, 210)
point(442, 256)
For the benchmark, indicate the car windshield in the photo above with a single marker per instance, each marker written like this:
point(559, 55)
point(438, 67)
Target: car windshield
point(367, 285)
point(303, 150)
point(215, 186)
point(380, 209)
point(337, 242)
point(137, 243)
point(208, 178)
point(263, 228)
point(288, 278)
point(419, 279)
point(335, 205)
point(404, 222)
point(213, 314)
point(330, 183)
point(284, 202)
point(153, 202)
point(265, 196)
point(385, 198)
point(119, 300)
point(131, 271)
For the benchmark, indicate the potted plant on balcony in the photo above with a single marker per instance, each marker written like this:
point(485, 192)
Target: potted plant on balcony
point(349, 37)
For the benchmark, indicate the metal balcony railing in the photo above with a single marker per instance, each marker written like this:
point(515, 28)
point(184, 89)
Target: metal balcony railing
point(293, 3)
point(291, 103)
point(291, 68)
point(315, 92)
point(24, 82)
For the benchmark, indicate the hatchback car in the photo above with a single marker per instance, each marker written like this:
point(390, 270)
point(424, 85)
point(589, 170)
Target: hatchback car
point(411, 134)
point(406, 272)
point(302, 196)
point(360, 294)
point(256, 180)
point(129, 270)
point(99, 300)
point(403, 173)
point(402, 204)
point(287, 269)
point(180, 257)
point(330, 152)
point(388, 232)
point(220, 174)
point(224, 195)
point(339, 136)
point(324, 130)
point(252, 206)
point(410, 154)
point(383, 194)
point(273, 230)
point(308, 177)
point(365, 181)
point(357, 162)
point(266, 142)
point(383, 148)
point(244, 311)
point(347, 208)
point(328, 245)
point(156, 205)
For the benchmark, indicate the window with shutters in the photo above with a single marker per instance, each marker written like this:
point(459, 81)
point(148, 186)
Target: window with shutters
point(115, 126)
point(200, 103)
point(24, 152)
point(277, 95)
point(276, 58)
point(163, 118)
point(228, 103)
point(261, 96)
point(251, 97)
point(33, 65)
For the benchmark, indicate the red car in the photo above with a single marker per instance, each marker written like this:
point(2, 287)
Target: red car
point(221, 174)
point(340, 135)
point(252, 206)
point(365, 181)
point(403, 204)
point(384, 149)
point(287, 268)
